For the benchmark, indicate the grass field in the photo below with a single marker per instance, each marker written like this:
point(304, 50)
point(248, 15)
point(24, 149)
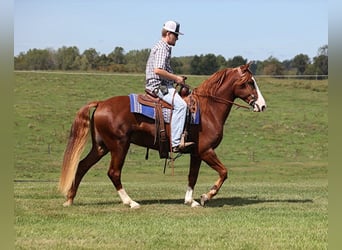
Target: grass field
point(276, 196)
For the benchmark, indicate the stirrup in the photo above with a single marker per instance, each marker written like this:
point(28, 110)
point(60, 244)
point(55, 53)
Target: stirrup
point(185, 145)
point(182, 148)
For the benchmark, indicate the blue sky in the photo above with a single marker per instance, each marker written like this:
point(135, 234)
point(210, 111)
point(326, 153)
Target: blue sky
point(255, 29)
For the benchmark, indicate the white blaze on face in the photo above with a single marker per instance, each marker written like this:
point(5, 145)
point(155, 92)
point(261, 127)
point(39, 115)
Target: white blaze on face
point(260, 103)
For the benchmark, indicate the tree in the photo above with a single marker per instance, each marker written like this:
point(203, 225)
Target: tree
point(91, 57)
point(136, 60)
point(321, 65)
point(69, 58)
point(321, 61)
point(36, 59)
point(186, 64)
point(272, 66)
point(204, 64)
point(117, 56)
point(221, 62)
point(209, 64)
point(83, 63)
point(300, 62)
point(66, 57)
point(20, 61)
point(236, 61)
point(287, 64)
point(177, 65)
point(195, 66)
point(323, 51)
point(102, 62)
point(257, 67)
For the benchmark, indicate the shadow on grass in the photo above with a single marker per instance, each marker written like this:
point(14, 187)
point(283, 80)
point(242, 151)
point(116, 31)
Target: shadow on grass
point(232, 201)
point(243, 201)
point(217, 202)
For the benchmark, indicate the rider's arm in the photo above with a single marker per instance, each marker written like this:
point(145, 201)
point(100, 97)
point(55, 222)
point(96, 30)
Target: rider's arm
point(164, 74)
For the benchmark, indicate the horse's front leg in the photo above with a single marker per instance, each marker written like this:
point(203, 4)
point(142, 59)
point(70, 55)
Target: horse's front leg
point(211, 159)
point(195, 164)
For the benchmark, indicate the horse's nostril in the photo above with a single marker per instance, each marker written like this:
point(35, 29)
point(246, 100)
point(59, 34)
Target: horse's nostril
point(263, 108)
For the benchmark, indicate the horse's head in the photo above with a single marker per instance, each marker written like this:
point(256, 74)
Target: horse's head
point(246, 88)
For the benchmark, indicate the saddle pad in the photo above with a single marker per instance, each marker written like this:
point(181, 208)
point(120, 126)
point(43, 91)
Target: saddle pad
point(148, 111)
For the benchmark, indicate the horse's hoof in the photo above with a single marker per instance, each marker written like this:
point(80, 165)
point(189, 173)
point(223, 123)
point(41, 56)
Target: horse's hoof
point(204, 199)
point(192, 203)
point(134, 205)
point(68, 203)
point(195, 204)
point(188, 202)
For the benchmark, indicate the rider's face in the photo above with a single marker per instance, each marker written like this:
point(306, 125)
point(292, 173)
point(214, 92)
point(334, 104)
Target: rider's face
point(172, 38)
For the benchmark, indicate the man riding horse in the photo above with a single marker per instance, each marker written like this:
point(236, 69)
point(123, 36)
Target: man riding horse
point(113, 125)
point(160, 80)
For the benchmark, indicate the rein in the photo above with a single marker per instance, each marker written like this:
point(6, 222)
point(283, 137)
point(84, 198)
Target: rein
point(220, 100)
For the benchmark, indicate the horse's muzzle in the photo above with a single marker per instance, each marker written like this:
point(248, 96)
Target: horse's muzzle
point(258, 108)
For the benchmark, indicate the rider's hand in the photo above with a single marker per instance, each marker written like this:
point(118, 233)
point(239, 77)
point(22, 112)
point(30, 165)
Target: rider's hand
point(180, 80)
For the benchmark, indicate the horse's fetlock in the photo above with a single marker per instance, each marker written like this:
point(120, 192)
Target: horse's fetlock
point(204, 199)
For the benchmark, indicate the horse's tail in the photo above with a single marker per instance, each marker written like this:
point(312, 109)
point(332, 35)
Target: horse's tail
point(76, 143)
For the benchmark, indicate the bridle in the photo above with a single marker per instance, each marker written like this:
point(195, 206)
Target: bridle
point(219, 99)
point(224, 101)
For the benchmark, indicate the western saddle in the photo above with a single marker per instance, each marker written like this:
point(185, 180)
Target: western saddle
point(152, 100)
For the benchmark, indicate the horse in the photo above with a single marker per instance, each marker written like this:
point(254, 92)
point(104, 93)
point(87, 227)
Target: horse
point(113, 127)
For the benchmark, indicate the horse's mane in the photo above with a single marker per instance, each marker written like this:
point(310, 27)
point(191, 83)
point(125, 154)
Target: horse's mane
point(211, 85)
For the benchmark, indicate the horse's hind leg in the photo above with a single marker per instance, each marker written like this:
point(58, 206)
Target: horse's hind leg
point(95, 154)
point(114, 173)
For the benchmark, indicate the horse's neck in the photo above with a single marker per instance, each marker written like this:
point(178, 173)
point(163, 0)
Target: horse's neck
point(222, 113)
point(214, 110)
point(217, 96)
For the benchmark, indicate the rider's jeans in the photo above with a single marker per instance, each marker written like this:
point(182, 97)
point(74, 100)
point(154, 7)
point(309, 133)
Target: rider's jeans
point(178, 114)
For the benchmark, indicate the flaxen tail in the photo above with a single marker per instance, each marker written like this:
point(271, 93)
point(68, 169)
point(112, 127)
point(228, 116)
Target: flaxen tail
point(76, 143)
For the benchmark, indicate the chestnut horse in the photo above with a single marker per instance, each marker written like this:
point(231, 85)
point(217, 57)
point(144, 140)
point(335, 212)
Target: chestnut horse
point(114, 127)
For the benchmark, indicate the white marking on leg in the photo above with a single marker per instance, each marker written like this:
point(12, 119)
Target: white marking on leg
point(188, 196)
point(126, 200)
point(189, 200)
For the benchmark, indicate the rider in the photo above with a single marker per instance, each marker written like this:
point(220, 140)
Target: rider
point(160, 79)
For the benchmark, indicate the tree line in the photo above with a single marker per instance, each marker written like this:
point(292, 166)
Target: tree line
point(134, 61)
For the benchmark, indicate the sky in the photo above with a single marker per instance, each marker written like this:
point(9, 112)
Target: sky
point(253, 29)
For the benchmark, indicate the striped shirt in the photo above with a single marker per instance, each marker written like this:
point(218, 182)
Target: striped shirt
point(160, 57)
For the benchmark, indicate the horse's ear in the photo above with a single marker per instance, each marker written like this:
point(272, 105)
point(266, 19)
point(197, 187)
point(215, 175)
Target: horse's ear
point(250, 63)
point(246, 66)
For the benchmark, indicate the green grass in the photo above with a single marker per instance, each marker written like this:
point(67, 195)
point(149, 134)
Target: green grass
point(276, 196)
